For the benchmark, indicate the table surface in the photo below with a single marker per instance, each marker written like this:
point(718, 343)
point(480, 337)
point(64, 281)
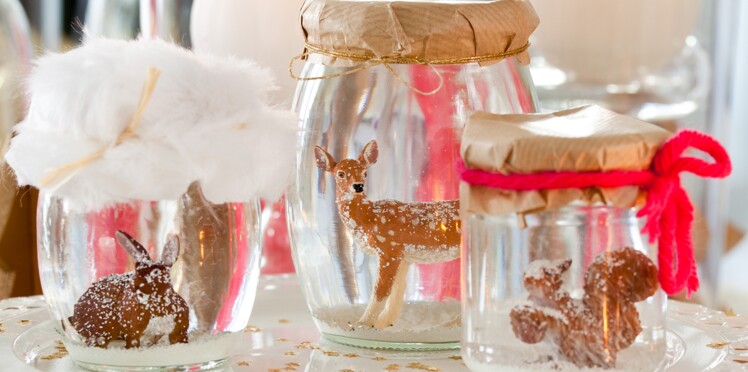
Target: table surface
point(283, 337)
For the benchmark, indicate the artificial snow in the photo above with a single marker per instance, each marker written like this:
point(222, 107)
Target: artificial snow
point(419, 322)
point(200, 349)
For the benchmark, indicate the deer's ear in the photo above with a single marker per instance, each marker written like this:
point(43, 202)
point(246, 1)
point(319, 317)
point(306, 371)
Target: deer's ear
point(369, 154)
point(324, 160)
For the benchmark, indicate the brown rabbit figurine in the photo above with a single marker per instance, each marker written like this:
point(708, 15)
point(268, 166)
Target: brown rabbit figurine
point(135, 304)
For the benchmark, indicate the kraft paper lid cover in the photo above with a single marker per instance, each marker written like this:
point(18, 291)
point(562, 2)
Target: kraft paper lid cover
point(424, 30)
point(584, 139)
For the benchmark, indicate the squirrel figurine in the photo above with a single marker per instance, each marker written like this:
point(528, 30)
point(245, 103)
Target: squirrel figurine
point(135, 304)
point(590, 331)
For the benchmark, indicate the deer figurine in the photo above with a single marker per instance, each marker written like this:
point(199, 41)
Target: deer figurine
point(397, 233)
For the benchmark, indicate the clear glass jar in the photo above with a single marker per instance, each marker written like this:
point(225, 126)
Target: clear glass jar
point(418, 142)
point(517, 318)
point(215, 272)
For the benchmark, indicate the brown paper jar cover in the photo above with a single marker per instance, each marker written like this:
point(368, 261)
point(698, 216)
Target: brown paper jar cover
point(427, 31)
point(583, 139)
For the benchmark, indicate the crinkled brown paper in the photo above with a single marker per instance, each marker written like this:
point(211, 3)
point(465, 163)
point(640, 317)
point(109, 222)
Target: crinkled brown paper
point(584, 139)
point(418, 29)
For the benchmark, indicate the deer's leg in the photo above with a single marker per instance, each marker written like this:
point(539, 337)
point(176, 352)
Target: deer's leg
point(388, 267)
point(394, 305)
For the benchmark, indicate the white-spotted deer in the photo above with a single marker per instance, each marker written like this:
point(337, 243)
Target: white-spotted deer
point(397, 233)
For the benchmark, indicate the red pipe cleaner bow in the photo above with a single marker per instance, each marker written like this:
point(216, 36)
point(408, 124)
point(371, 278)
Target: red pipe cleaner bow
point(668, 208)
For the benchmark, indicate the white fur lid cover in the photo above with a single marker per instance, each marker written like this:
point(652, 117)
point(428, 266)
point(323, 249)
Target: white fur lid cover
point(208, 120)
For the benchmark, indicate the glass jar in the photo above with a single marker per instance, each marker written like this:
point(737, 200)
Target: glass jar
point(215, 273)
point(403, 120)
point(576, 287)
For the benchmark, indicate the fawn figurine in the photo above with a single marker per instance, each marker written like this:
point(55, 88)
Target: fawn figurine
point(397, 233)
point(135, 304)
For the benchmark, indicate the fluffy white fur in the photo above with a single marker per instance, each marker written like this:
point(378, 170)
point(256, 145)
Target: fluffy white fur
point(208, 120)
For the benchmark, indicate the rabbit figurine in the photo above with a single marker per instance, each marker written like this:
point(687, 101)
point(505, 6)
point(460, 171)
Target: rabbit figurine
point(135, 304)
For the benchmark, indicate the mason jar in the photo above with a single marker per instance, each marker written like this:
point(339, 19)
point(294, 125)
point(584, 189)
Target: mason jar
point(214, 269)
point(391, 279)
point(568, 288)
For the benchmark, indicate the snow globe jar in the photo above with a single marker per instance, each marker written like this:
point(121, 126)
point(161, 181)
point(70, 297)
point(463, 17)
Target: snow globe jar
point(148, 232)
point(556, 274)
point(373, 215)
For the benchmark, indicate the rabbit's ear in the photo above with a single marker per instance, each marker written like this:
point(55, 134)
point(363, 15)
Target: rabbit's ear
point(135, 249)
point(171, 251)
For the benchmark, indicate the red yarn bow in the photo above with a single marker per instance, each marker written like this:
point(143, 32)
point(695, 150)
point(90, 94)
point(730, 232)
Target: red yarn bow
point(668, 208)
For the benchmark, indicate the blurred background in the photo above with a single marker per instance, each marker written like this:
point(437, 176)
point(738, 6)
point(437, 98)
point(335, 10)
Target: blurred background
point(675, 63)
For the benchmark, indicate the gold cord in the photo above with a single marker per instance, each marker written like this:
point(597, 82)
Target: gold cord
point(370, 60)
point(127, 133)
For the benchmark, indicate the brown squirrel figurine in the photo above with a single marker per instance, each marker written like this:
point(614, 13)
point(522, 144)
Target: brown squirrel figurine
point(135, 304)
point(614, 282)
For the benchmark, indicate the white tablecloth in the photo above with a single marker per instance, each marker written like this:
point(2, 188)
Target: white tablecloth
point(700, 339)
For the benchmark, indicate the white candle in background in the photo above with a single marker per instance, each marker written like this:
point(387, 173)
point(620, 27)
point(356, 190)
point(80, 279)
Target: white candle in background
point(612, 41)
point(265, 31)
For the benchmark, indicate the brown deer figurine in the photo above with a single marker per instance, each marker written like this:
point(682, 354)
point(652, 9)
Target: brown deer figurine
point(397, 233)
point(135, 304)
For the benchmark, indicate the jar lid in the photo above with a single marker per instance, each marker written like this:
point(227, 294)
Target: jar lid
point(428, 32)
point(584, 139)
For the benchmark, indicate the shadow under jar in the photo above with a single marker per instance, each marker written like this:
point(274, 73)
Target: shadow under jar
point(214, 271)
point(559, 293)
point(386, 274)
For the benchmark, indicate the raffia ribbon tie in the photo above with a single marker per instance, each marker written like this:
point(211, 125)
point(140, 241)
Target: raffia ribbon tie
point(668, 208)
point(129, 132)
point(369, 60)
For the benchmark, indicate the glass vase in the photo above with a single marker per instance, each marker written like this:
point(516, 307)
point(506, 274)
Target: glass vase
point(576, 287)
point(83, 262)
point(417, 137)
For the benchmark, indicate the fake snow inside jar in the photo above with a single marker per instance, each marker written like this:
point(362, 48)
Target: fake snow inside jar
point(150, 161)
point(373, 215)
point(556, 274)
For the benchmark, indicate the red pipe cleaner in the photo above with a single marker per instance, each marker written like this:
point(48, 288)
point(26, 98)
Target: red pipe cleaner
point(668, 208)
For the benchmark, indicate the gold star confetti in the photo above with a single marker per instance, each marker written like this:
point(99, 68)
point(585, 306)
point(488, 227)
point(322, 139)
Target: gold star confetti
point(293, 364)
point(378, 358)
point(346, 370)
point(423, 367)
point(289, 368)
point(330, 353)
point(60, 353)
point(2, 330)
point(740, 348)
point(730, 312)
point(252, 329)
point(455, 357)
point(274, 370)
point(740, 360)
point(290, 353)
point(2, 325)
point(392, 367)
point(351, 355)
point(243, 363)
point(24, 322)
point(717, 345)
point(283, 340)
point(284, 321)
